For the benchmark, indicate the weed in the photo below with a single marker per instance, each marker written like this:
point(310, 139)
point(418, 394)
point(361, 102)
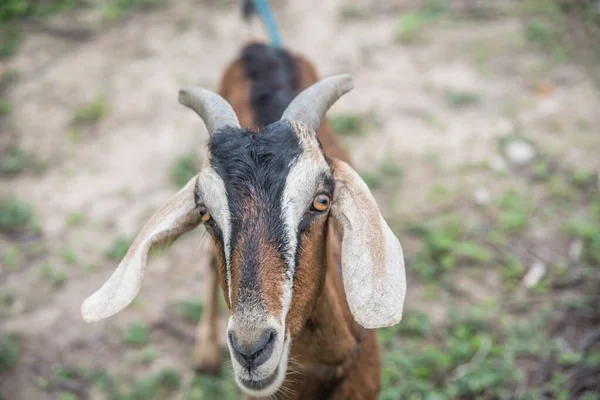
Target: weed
point(9, 351)
point(349, 12)
point(438, 193)
point(146, 355)
point(190, 310)
point(136, 334)
point(68, 256)
point(183, 169)
point(118, 249)
point(410, 27)
point(90, 113)
point(117, 10)
point(387, 172)
point(209, 387)
point(15, 215)
point(75, 219)
point(66, 396)
point(457, 98)
point(351, 124)
point(10, 256)
point(57, 277)
point(5, 107)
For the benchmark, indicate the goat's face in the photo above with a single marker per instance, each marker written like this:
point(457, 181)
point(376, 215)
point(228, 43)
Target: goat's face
point(266, 200)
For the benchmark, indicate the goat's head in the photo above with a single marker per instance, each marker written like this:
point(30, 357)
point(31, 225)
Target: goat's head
point(267, 199)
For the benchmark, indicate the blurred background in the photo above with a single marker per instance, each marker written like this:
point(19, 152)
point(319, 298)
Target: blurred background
point(475, 123)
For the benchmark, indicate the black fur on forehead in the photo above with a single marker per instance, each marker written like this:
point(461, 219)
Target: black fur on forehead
point(255, 167)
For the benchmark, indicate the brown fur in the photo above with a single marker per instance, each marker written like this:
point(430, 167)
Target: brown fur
point(324, 332)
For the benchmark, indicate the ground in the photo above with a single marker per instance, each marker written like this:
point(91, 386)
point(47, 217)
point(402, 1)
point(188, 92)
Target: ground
point(475, 124)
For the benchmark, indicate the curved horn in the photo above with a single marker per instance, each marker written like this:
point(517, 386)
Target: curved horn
point(214, 110)
point(313, 102)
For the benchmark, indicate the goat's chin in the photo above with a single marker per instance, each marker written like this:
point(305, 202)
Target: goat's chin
point(266, 381)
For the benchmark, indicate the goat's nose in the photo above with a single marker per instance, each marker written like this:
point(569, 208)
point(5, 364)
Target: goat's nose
point(252, 353)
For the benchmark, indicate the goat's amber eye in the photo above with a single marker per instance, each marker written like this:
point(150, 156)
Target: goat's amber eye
point(204, 214)
point(321, 202)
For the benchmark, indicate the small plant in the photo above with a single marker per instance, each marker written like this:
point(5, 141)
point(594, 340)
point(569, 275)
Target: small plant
point(136, 334)
point(10, 256)
point(90, 113)
point(410, 26)
point(457, 98)
point(117, 10)
point(66, 396)
point(190, 310)
point(68, 256)
point(9, 351)
point(388, 172)
point(15, 215)
point(350, 124)
point(118, 249)
point(350, 12)
point(75, 219)
point(184, 169)
point(57, 277)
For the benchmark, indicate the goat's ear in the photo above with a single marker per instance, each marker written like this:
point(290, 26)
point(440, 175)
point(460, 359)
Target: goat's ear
point(372, 259)
point(177, 216)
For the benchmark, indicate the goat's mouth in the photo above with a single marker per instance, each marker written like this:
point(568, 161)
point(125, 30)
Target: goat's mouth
point(261, 383)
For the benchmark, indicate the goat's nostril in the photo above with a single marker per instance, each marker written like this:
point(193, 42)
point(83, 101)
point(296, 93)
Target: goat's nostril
point(255, 352)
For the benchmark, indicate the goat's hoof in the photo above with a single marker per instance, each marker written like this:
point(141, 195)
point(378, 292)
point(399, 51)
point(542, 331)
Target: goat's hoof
point(207, 360)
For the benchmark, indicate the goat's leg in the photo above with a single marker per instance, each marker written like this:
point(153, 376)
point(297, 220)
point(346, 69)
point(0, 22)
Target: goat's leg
point(207, 353)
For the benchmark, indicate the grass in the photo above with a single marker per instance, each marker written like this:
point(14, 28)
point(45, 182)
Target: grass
point(154, 386)
point(411, 25)
point(350, 12)
point(190, 310)
point(56, 276)
point(352, 124)
point(387, 172)
point(118, 10)
point(461, 99)
point(68, 256)
point(183, 169)
point(136, 334)
point(10, 256)
point(15, 215)
point(13, 12)
point(75, 219)
point(118, 249)
point(90, 113)
point(9, 351)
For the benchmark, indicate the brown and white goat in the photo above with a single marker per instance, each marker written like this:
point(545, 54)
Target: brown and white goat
point(306, 262)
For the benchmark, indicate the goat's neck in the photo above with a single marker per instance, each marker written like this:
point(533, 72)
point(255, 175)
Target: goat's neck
point(330, 335)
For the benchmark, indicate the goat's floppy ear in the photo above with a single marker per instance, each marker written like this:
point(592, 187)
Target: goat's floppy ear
point(372, 259)
point(177, 216)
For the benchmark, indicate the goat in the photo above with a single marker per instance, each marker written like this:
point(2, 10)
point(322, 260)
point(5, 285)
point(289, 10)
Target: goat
point(307, 264)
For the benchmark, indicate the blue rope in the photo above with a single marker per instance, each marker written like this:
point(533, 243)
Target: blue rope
point(263, 9)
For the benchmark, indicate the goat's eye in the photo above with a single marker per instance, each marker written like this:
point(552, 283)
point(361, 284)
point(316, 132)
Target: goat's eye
point(321, 203)
point(204, 214)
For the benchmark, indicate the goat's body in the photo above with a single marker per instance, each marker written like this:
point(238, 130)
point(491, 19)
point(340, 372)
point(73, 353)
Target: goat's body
point(331, 357)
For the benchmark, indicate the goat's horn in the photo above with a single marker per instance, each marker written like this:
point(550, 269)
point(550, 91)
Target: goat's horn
point(313, 102)
point(214, 110)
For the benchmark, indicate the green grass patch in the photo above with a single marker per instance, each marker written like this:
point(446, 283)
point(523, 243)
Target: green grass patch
point(190, 310)
point(9, 351)
point(351, 124)
point(90, 113)
point(15, 215)
point(136, 334)
point(388, 172)
point(461, 99)
point(68, 256)
point(117, 10)
point(75, 219)
point(118, 249)
point(183, 169)
point(10, 256)
point(350, 12)
point(56, 276)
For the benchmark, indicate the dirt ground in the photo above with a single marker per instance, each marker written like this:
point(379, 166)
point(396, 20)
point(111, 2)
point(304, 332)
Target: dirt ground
point(115, 172)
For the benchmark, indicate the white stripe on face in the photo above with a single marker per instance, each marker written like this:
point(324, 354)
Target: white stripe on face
point(214, 197)
point(302, 183)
